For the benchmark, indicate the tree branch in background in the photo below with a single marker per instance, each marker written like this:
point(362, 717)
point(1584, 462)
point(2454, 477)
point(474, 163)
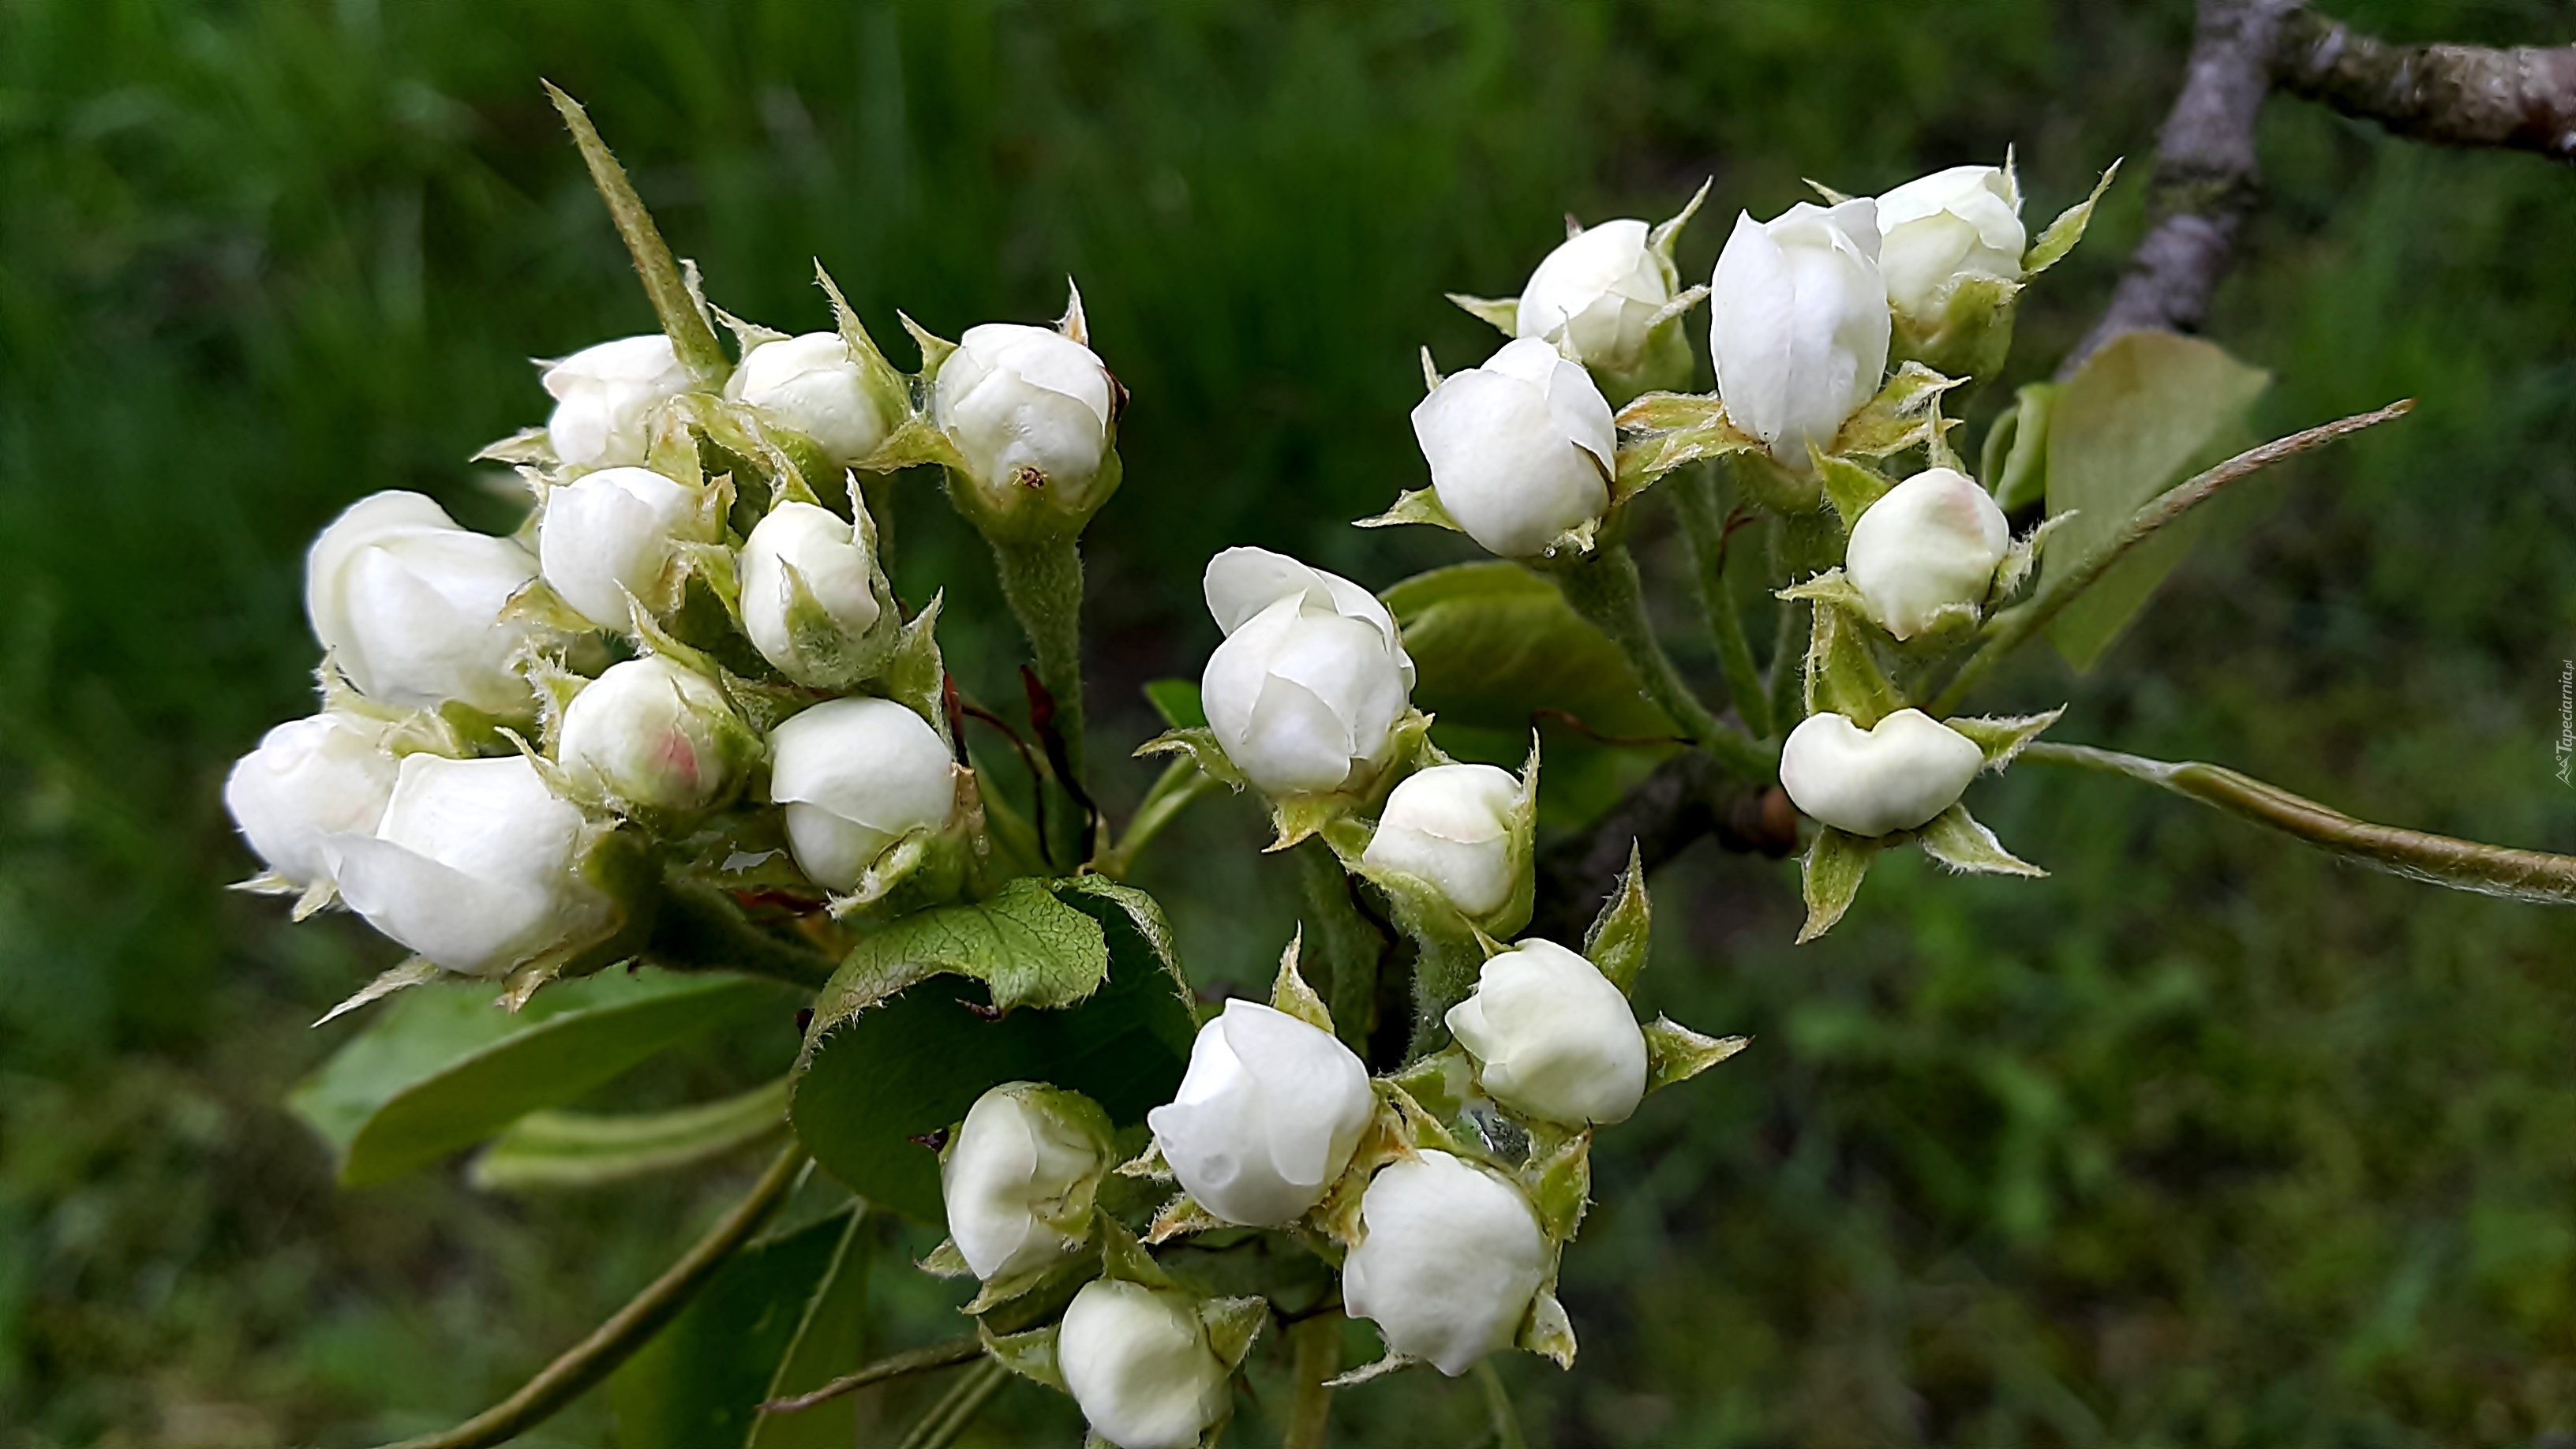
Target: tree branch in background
point(2522, 99)
point(1687, 796)
point(2206, 177)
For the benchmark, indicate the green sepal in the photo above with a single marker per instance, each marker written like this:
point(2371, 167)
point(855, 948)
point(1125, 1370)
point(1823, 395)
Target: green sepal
point(1031, 1355)
point(1559, 1183)
point(1675, 1053)
point(2002, 737)
point(1198, 742)
point(1232, 1324)
point(1123, 1258)
point(1906, 413)
point(1850, 487)
point(1843, 676)
point(1661, 431)
point(1619, 936)
point(1180, 1218)
point(1148, 1164)
point(405, 974)
point(1955, 839)
point(528, 446)
point(1414, 505)
point(1834, 866)
point(2062, 234)
point(2014, 457)
point(1547, 1331)
point(1441, 1083)
point(1291, 996)
point(1832, 587)
point(1392, 1363)
point(1500, 313)
point(887, 386)
point(945, 1261)
point(2022, 559)
point(1969, 339)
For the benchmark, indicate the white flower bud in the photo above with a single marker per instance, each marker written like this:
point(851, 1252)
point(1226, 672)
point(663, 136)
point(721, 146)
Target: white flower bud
point(1798, 324)
point(1895, 775)
point(1939, 229)
point(1521, 449)
point(857, 775)
point(608, 534)
point(310, 778)
point(474, 865)
point(1552, 1037)
point(1928, 544)
point(1017, 1180)
point(1450, 1259)
point(604, 397)
point(810, 384)
point(1305, 692)
point(1267, 1115)
point(1597, 294)
point(807, 545)
point(655, 734)
point(409, 605)
point(1137, 1361)
point(1452, 827)
point(1028, 408)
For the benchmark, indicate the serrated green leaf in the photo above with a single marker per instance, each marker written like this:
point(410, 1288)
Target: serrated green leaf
point(442, 1068)
point(1618, 939)
point(1955, 839)
point(700, 1382)
point(1834, 867)
point(2003, 737)
point(581, 1149)
point(1177, 701)
point(879, 1070)
point(1675, 1053)
point(2135, 420)
point(1025, 944)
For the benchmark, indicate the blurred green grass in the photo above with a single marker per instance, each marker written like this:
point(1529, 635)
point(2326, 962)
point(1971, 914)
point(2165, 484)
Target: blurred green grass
point(2201, 1141)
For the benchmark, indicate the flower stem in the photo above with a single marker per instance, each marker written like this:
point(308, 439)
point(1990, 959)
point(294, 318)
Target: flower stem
point(1444, 972)
point(2494, 870)
point(1180, 784)
point(947, 1353)
point(631, 1327)
point(1605, 589)
point(1704, 529)
point(1317, 1345)
point(1344, 939)
point(1042, 582)
point(1499, 1412)
point(697, 928)
point(957, 1408)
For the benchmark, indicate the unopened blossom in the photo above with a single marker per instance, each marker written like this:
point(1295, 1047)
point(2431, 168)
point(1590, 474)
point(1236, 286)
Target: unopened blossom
point(1452, 827)
point(1448, 1261)
point(1030, 411)
point(311, 778)
point(1138, 1363)
point(1895, 775)
point(1521, 449)
point(811, 384)
point(1306, 690)
point(1939, 230)
point(607, 536)
point(410, 605)
point(1267, 1115)
point(1798, 324)
point(1552, 1037)
point(1017, 1179)
point(604, 399)
point(857, 775)
point(807, 590)
point(1929, 544)
point(652, 732)
point(1598, 294)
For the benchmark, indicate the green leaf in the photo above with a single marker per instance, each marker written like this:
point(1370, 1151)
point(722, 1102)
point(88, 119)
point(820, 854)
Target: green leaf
point(1955, 839)
point(582, 1149)
point(1493, 646)
point(881, 1067)
point(1177, 701)
point(1675, 1053)
point(692, 340)
point(1027, 946)
point(830, 1339)
point(1620, 934)
point(442, 1068)
point(2142, 412)
point(700, 1382)
point(2015, 465)
point(1835, 865)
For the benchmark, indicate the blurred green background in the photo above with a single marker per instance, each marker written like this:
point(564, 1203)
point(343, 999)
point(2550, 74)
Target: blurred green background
point(2202, 1141)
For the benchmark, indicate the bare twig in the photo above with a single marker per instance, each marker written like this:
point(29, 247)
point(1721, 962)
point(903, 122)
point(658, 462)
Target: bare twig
point(631, 1327)
point(2495, 870)
point(1687, 796)
point(2522, 99)
point(947, 1353)
point(2205, 180)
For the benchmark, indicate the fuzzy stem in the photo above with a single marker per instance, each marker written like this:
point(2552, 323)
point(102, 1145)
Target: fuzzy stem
point(1042, 582)
point(1499, 1412)
point(1180, 784)
point(2466, 865)
point(1317, 1343)
point(631, 1327)
point(947, 1353)
point(1704, 530)
point(957, 1408)
point(1342, 938)
point(1605, 589)
point(1444, 974)
point(697, 928)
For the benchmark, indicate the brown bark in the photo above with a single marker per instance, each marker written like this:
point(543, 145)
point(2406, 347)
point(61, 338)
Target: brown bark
point(2521, 99)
